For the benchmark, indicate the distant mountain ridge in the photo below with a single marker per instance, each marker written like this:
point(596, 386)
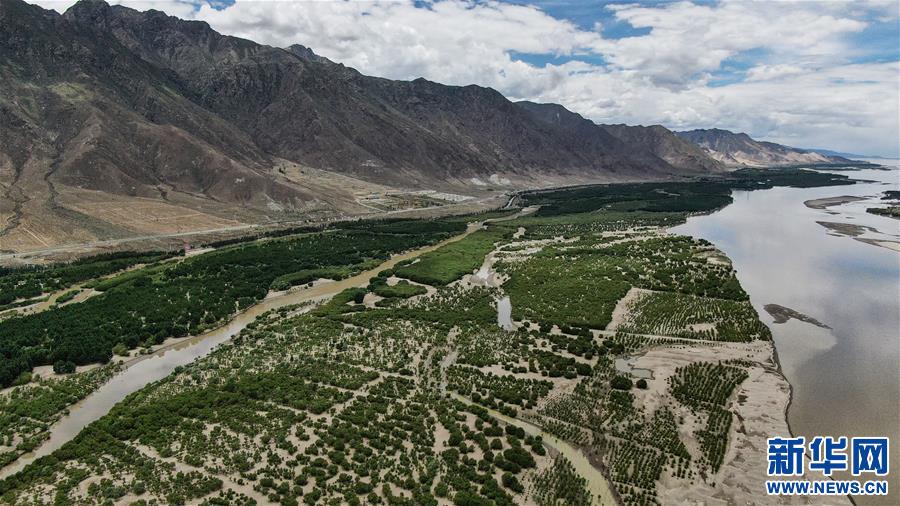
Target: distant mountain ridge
point(117, 122)
point(652, 142)
point(740, 150)
point(828, 152)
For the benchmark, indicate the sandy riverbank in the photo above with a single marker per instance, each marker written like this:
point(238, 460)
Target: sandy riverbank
point(760, 406)
point(891, 245)
point(846, 229)
point(855, 231)
point(825, 203)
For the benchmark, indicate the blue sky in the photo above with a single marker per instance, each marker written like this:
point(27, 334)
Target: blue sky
point(877, 42)
point(804, 73)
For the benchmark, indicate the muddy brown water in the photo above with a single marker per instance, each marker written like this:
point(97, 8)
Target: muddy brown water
point(845, 379)
point(146, 369)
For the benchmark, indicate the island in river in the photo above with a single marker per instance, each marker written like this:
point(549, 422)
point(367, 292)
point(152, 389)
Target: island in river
point(394, 382)
point(781, 314)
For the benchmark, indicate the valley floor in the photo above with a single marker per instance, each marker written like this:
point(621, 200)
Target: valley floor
point(634, 371)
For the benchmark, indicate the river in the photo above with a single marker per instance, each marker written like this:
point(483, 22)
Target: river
point(156, 366)
point(147, 369)
point(846, 379)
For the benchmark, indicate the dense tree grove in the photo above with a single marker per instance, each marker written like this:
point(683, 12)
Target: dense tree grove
point(706, 384)
point(29, 282)
point(454, 260)
point(556, 284)
point(178, 299)
point(706, 387)
point(674, 197)
point(676, 314)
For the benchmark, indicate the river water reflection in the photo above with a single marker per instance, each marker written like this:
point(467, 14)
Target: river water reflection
point(846, 380)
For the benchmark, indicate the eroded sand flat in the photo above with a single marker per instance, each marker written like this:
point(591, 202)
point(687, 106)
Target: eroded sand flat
point(825, 203)
point(759, 405)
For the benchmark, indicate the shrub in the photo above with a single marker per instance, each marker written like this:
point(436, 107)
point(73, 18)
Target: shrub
point(621, 383)
point(64, 367)
point(22, 379)
point(512, 483)
point(519, 456)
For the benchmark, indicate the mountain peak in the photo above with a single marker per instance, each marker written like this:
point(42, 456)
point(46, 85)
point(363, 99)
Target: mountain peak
point(307, 54)
point(92, 11)
point(194, 122)
point(739, 149)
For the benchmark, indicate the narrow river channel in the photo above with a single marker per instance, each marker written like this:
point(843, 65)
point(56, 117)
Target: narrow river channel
point(144, 370)
point(595, 483)
point(156, 366)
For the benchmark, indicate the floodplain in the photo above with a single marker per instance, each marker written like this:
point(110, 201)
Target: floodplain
point(398, 386)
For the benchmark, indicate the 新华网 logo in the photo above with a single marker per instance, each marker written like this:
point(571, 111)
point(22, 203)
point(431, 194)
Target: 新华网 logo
point(862, 457)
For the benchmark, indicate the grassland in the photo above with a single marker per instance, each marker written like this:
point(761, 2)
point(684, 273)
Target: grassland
point(450, 263)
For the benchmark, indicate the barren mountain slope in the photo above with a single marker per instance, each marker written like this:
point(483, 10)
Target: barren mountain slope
point(738, 149)
point(116, 122)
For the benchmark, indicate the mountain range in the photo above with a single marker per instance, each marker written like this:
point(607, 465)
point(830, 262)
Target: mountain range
point(740, 150)
point(842, 154)
point(115, 123)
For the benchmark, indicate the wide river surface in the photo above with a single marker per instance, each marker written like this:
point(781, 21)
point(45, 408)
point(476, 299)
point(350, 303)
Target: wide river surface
point(846, 379)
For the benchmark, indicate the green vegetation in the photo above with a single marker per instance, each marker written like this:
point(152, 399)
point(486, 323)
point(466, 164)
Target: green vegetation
point(890, 211)
point(402, 290)
point(305, 276)
point(103, 285)
point(579, 284)
point(674, 197)
point(595, 222)
point(675, 314)
point(652, 197)
point(67, 296)
point(148, 305)
point(559, 484)
point(706, 387)
point(31, 282)
point(340, 402)
point(301, 409)
point(505, 393)
point(705, 384)
point(454, 260)
point(63, 367)
point(27, 411)
point(621, 383)
point(563, 288)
